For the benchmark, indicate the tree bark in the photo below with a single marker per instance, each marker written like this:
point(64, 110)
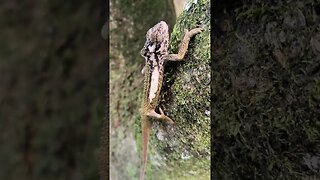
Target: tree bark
point(178, 151)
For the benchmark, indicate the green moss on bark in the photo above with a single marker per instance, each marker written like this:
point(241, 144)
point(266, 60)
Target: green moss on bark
point(183, 150)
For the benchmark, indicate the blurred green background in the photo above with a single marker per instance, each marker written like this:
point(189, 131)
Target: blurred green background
point(52, 88)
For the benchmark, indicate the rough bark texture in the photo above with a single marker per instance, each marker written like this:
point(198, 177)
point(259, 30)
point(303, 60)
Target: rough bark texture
point(178, 151)
point(183, 150)
point(266, 82)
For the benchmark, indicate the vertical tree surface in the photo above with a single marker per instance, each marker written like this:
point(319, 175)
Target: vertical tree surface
point(179, 151)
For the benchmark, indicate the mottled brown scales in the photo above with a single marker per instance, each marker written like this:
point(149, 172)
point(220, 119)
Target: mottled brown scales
point(155, 52)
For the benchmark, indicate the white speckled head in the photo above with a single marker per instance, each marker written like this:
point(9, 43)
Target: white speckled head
point(158, 32)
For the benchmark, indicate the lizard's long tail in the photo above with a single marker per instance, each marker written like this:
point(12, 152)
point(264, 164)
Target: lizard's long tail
point(146, 126)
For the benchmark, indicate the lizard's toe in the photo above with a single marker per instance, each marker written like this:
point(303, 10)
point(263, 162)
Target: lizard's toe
point(169, 121)
point(161, 112)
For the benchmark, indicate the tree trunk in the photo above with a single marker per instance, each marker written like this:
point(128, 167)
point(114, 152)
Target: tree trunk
point(179, 151)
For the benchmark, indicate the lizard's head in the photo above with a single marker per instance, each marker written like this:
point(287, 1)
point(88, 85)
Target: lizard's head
point(158, 32)
point(157, 40)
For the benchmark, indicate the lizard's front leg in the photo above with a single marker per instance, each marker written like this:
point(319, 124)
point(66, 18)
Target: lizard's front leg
point(161, 116)
point(183, 45)
point(143, 70)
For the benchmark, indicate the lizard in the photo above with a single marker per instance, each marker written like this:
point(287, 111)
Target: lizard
point(155, 53)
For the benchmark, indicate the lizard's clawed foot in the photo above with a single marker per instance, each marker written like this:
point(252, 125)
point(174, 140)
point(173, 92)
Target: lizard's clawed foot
point(193, 32)
point(164, 117)
point(160, 116)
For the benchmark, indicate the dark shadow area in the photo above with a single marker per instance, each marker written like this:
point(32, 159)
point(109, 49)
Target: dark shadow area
point(52, 88)
point(266, 90)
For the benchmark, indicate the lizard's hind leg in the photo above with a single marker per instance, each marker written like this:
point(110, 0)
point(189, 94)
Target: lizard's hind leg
point(160, 116)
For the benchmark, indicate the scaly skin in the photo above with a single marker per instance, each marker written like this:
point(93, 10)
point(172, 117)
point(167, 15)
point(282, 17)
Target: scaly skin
point(155, 52)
